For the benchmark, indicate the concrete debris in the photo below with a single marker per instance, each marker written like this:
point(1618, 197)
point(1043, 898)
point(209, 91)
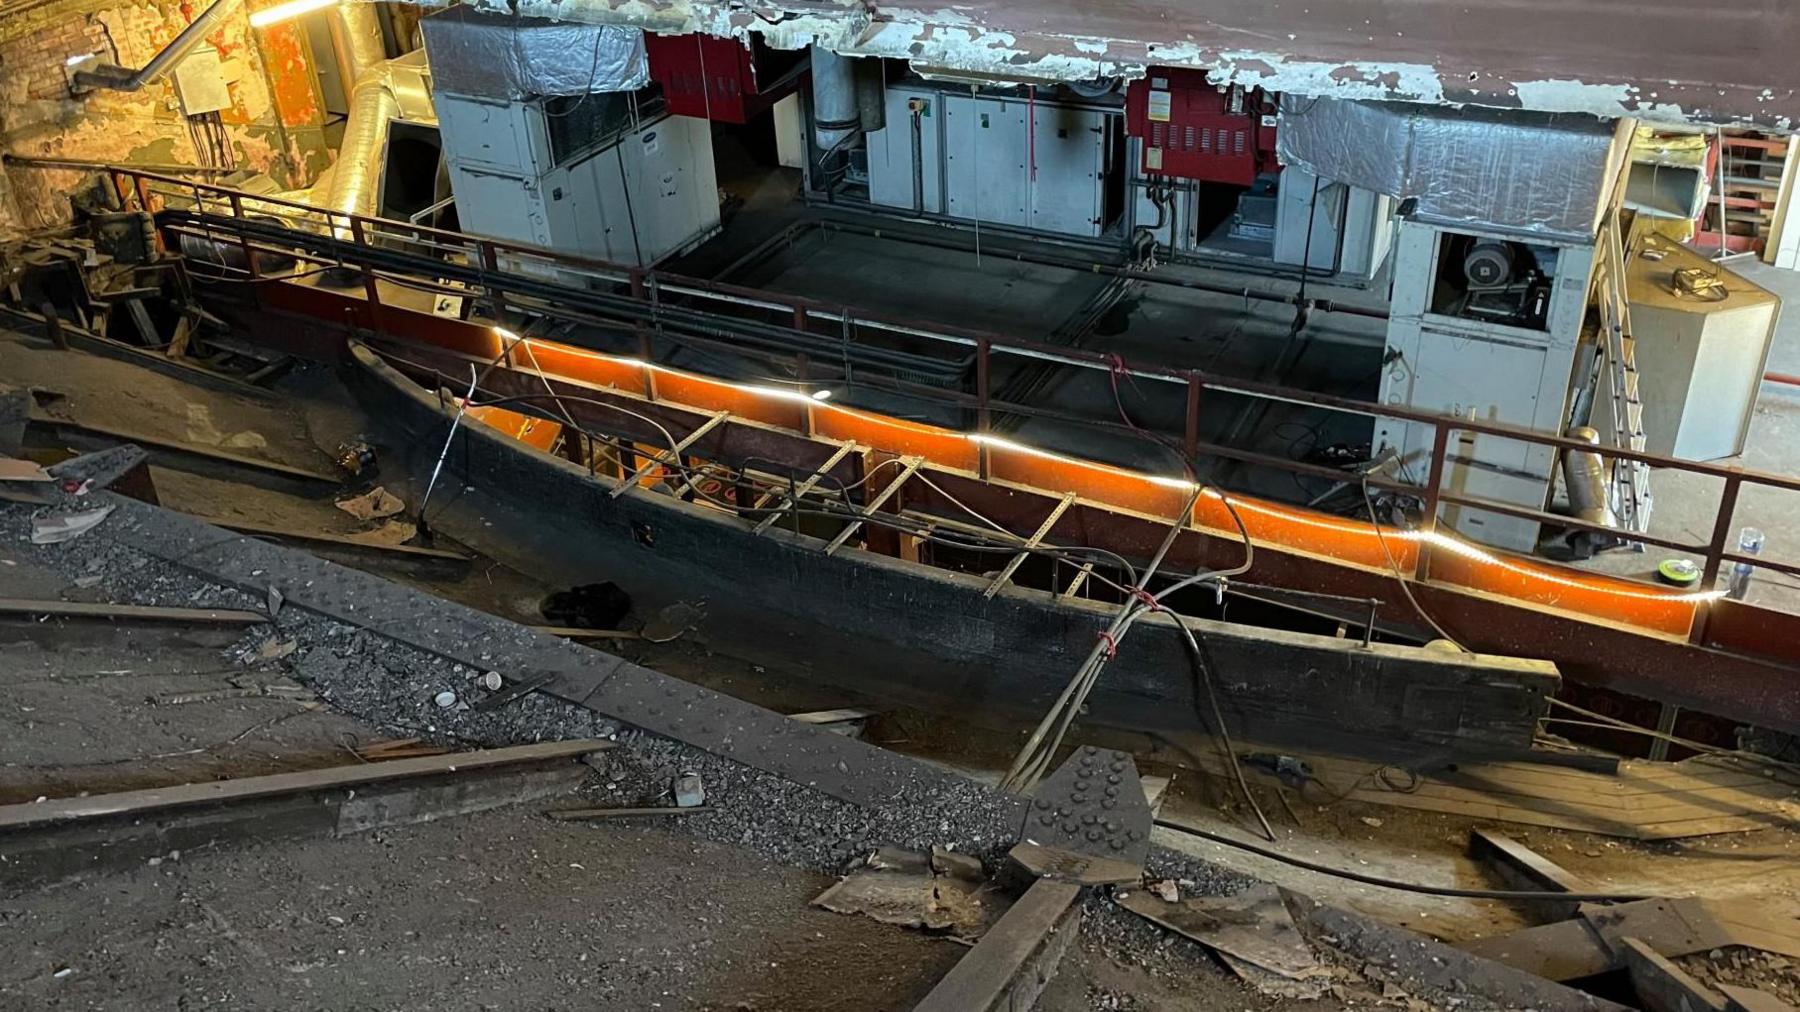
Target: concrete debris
point(689, 792)
point(1166, 890)
point(1253, 927)
point(54, 530)
point(274, 649)
point(1753, 968)
point(896, 886)
point(374, 504)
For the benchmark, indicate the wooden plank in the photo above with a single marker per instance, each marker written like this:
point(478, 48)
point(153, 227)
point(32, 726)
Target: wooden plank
point(1566, 950)
point(831, 716)
point(162, 799)
point(570, 632)
point(129, 612)
point(46, 854)
point(567, 814)
point(1009, 967)
point(189, 449)
point(1664, 987)
point(323, 538)
point(1522, 868)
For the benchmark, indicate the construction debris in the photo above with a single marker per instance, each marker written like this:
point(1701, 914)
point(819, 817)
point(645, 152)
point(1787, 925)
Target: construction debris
point(1253, 926)
point(689, 792)
point(55, 530)
point(374, 504)
point(14, 469)
point(903, 887)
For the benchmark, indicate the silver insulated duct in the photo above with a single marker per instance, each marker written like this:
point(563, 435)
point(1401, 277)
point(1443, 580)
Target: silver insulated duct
point(1541, 176)
point(835, 110)
point(508, 58)
point(373, 105)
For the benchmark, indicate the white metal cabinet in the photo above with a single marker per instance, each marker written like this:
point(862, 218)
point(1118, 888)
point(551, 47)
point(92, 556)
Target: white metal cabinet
point(890, 152)
point(1067, 193)
point(985, 147)
point(1489, 372)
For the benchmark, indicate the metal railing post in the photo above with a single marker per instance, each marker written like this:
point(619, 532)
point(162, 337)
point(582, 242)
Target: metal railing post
point(1434, 480)
point(1190, 444)
point(490, 264)
point(981, 409)
point(237, 217)
point(371, 290)
point(1715, 552)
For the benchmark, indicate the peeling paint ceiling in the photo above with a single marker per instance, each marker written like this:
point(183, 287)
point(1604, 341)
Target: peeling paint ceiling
point(1728, 62)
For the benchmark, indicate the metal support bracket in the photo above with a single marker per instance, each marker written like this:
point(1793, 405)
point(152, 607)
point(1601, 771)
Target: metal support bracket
point(670, 456)
point(806, 486)
point(912, 465)
point(1013, 564)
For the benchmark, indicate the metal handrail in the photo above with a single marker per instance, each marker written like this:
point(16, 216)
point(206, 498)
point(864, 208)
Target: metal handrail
point(644, 283)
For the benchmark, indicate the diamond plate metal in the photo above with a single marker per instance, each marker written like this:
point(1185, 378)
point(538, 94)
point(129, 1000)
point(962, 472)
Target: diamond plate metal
point(844, 768)
point(1094, 805)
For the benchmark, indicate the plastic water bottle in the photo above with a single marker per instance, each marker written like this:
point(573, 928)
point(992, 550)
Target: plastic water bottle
point(1750, 542)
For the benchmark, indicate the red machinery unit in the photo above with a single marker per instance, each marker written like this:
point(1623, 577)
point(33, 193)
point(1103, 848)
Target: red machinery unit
point(714, 78)
point(1192, 130)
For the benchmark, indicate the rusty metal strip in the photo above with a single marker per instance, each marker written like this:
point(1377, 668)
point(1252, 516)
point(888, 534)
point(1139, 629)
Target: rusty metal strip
point(1081, 578)
point(1013, 564)
point(806, 486)
point(672, 455)
point(912, 466)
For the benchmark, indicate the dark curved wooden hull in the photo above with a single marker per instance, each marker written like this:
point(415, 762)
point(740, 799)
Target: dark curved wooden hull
point(928, 637)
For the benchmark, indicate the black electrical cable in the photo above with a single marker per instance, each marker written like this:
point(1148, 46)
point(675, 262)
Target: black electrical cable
point(1412, 887)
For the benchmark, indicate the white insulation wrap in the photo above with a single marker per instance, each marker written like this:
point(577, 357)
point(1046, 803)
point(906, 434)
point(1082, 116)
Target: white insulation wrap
point(488, 56)
point(1540, 175)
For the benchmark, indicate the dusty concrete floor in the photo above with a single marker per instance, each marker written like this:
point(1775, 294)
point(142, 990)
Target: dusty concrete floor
point(498, 910)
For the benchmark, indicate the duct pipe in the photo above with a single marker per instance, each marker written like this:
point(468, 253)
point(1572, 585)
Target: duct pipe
point(118, 78)
point(356, 175)
point(356, 36)
point(1584, 478)
point(834, 107)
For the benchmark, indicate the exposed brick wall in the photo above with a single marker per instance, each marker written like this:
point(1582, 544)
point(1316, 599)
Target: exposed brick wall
point(39, 116)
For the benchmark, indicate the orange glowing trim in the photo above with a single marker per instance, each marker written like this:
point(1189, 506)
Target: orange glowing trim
point(1469, 551)
point(1358, 538)
point(1032, 451)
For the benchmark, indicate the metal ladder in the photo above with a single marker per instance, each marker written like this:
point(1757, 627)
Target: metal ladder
point(1630, 489)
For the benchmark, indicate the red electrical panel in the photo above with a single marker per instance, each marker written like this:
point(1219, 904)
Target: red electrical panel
point(1193, 130)
point(713, 78)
